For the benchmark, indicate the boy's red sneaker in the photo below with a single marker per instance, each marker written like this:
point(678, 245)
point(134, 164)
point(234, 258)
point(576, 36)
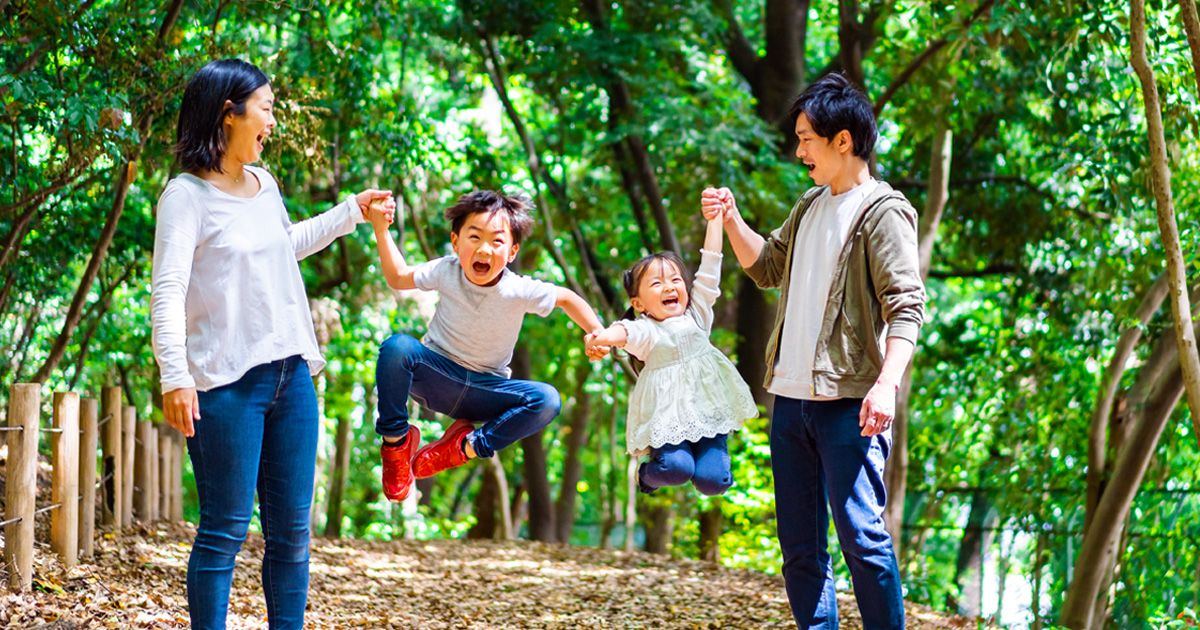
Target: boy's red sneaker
point(444, 453)
point(397, 465)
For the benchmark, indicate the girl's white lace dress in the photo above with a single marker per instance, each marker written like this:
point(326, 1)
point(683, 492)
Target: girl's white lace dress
point(688, 389)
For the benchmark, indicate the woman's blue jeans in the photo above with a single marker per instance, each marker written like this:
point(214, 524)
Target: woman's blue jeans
point(824, 467)
point(509, 409)
point(258, 433)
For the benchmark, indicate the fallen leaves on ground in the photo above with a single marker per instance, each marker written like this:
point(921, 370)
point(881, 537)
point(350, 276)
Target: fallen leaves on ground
point(137, 580)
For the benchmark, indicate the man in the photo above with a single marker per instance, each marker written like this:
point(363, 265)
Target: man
point(850, 307)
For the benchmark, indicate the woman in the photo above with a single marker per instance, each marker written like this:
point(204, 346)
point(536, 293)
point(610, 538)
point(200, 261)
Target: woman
point(234, 339)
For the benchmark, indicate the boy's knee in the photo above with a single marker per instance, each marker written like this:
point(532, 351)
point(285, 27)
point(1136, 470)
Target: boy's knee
point(546, 401)
point(399, 346)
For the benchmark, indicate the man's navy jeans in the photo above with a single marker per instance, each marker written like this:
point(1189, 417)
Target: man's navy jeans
point(509, 409)
point(822, 467)
point(256, 434)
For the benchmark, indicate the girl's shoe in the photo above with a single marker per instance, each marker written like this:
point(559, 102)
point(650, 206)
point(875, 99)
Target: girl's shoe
point(397, 464)
point(642, 487)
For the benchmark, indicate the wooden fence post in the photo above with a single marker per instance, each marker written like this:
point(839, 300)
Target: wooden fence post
point(154, 472)
point(128, 442)
point(88, 417)
point(177, 441)
point(24, 404)
point(141, 472)
point(64, 491)
point(164, 472)
point(113, 458)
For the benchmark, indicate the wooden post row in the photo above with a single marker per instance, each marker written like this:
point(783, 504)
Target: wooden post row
point(113, 458)
point(128, 443)
point(88, 417)
point(64, 490)
point(21, 483)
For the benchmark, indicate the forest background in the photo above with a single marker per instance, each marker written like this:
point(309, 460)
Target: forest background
point(1046, 393)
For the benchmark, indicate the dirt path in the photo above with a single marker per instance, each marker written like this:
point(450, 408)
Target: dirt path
point(137, 581)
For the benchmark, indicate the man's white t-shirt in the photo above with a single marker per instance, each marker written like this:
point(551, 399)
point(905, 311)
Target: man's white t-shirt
point(819, 240)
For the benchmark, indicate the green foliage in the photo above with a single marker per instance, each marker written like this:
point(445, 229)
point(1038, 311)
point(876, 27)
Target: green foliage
point(1047, 244)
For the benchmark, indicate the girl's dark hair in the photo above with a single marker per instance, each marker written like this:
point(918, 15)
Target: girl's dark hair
point(200, 135)
point(833, 104)
point(632, 278)
point(515, 207)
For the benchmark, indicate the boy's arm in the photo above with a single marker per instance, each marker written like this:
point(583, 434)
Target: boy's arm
point(614, 336)
point(578, 310)
point(398, 273)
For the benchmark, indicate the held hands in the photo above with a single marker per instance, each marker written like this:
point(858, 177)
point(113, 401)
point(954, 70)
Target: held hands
point(593, 349)
point(878, 409)
point(718, 203)
point(180, 408)
point(377, 206)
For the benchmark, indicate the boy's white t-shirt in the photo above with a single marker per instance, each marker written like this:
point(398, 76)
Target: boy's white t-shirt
point(819, 240)
point(477, 327)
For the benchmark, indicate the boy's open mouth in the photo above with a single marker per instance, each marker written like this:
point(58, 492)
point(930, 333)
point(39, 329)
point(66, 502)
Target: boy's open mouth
point(481, 267)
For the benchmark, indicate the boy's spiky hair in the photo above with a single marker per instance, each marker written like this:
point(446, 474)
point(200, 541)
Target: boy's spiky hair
point(515, 207)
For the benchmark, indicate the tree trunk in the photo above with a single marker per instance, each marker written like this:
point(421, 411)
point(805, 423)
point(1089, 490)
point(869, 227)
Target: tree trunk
point(1160, 176)
point(1100, 547)
point(712, 525)
point(660, 527)
point(896, 473)
point(537, 482)
point(337, 480)
point(1126, 343)
point(1191, 26)
point(486, 525)
point(576, 439)
point(977, 538)
point(754, 319)
point(496, 466)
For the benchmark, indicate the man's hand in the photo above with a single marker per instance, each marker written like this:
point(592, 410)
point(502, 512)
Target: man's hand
point(712, 204)
point(878, 408)
point(180, 408)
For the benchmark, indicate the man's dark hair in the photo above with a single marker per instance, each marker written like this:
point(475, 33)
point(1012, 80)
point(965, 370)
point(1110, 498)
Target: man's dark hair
point(834, 103)
point(200, 134)
point(515, 207)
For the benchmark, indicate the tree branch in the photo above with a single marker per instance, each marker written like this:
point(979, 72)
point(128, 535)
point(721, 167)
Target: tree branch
point(920, 60)
point(1191, 26)
point(741, 54)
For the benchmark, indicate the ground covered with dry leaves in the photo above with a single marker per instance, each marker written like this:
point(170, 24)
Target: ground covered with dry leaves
point(136, 580)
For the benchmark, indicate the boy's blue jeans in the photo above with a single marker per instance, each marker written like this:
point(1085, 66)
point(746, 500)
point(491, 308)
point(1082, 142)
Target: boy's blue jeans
point(258, 433)
point(509, 409)
point(705, 463)
point(823, 466)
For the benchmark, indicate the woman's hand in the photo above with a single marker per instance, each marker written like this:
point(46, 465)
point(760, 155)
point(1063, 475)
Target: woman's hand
point(180, 408)
point(368, 197)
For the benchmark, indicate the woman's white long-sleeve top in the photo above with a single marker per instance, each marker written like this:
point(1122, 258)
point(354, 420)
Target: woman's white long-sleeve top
point(227, 293)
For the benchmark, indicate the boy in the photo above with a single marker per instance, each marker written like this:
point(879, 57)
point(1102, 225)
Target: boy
point(460, 368)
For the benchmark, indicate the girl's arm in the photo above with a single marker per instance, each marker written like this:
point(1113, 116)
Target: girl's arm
point(398, 273)
point(714, 236)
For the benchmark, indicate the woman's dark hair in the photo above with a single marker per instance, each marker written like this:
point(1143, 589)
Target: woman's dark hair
point(632, 278)
point(200, 135)
point(834, 103)
point(515, 207)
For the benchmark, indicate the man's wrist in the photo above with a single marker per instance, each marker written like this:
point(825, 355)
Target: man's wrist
point(888, 382)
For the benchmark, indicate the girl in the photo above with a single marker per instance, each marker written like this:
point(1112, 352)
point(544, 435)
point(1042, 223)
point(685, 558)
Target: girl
point(689, 396)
